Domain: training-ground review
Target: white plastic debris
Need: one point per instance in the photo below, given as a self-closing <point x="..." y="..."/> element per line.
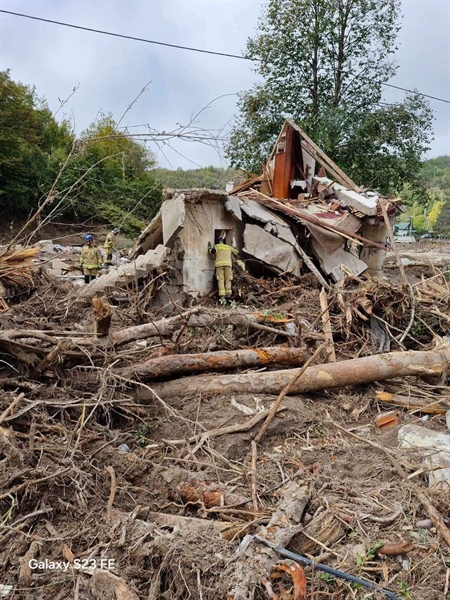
<point x="5" y="590"/>
<point x="434" y="448"/>
<point x="46" y="245"/>
<point x="244" y="409"/>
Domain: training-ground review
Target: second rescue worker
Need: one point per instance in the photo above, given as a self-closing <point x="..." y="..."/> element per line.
<point x="224" y="273"/>
<point x="110" y="244"/>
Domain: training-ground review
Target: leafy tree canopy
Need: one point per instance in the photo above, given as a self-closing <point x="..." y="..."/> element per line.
<point x="435" y="175"/>
<point x="32" y="144"/>
<point x="110" y="177"/>
<point x="428" y="200"/>
<point x="323" y="63"/>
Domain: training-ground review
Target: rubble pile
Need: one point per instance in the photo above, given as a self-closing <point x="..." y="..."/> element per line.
<point x="292" y="444"/>
<point x="102" y="461"/>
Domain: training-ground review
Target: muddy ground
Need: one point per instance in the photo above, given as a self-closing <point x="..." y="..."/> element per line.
<point x="86" y="470"/>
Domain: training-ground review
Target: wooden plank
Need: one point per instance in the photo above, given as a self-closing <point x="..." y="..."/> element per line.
<point x="394" y="244"/>
<point x="278" y="172"/>
<point x="331" y="354"/>
<point x="280" y="135"/>
<point x="312" y="267"/>
<point x="330" y="167"/>
<point x="282" y="172"/>
<point x="325" y="160"/>
<point x="245" y="186"/>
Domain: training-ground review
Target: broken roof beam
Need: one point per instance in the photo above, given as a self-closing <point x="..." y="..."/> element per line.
<point x="241" y="187"/>
<point x="313" y="150"/>
<point x="302" y="215"/>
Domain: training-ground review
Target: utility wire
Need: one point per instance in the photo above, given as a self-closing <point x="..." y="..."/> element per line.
<point x="120" y="35"/>
<point x="138" y="39"/>
<point x="416" y="93"/>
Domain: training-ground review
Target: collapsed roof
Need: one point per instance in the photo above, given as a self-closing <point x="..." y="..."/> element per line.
<point x="302" y="214"/>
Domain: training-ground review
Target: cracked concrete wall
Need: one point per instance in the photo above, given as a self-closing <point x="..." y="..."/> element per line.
<point x="201" y="221"/>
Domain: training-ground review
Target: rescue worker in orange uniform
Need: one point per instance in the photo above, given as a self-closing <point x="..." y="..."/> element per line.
<point x="224" y="273"/>
<point x="91" y="259"/>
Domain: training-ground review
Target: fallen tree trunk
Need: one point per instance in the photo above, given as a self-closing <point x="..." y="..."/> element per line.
<point x="177" y="364"/>
<point x="196" y="317"/>
<point x="326" y="376"/>
<point x="163" y="327"/>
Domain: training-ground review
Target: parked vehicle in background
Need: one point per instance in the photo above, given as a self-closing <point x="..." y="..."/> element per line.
<point x="431" y="235"/>
<point x="428" y="236"/>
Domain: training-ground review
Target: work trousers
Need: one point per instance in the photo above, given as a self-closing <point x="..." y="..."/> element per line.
<point x="224" y="276"/>
<point x="109" y="257"/>
<point x="89" y="274"/>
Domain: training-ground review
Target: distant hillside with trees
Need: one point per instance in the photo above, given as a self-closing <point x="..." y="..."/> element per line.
<point x="428" y="202"/>
<point x="436" y="174"/>
<point x="207" y="177"/>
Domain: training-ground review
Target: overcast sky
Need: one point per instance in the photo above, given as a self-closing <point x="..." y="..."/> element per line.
<point x="111" y="72"/>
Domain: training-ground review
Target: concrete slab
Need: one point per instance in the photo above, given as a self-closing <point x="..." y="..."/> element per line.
<point x="124" y="274"/>
<point x="149" y="238"/>
<point x="173" y="214"/>
<point x="434" y="448"/>
<point x="233" y="205"/>
<point x="46" y="246"/>
<point x="273" y="223"/>
<point x="60" y="265"/>
<point x="270" y="250"/>
<point x="331" y="263"/>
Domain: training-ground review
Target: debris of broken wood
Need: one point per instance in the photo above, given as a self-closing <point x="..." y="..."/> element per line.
<point x="15" y="273"/>
<point x="395" y="549"/>
<point x="437" y="407"/>
<point x="325" y="569"/>
<point x="102" y="316"/>
<point x="305" y="487"/>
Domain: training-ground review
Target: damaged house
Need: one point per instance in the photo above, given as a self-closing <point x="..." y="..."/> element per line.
<point x="302" y="214"/>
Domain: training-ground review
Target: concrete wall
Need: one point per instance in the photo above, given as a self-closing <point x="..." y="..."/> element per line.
<point x="374" y="257"/>
<point x="201" y="220"/>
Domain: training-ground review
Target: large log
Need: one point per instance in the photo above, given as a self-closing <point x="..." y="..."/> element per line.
<point x="326" y="376"/>
<point x="177" y="364"/>
<point x="162" y="328"/>
<point x="197" y="317"/>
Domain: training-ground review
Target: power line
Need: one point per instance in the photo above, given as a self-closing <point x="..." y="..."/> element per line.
<point x="416" y="93"/>
<point x="120" y="35"/>
<point x="138" y="39"/>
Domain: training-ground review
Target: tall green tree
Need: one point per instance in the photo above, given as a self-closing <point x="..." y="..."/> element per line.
<point x="324" y="62"/>
<point x="32" y="144"/>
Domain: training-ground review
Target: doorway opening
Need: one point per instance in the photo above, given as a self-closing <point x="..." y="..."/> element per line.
<point x="228" y="234"/>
